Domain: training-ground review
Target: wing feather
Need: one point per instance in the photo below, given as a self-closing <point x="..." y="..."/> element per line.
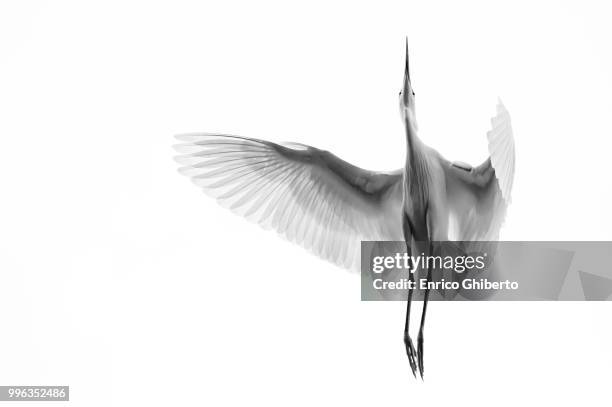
<point x="501" y="149"/>
<point x="307" y="195"/>
<point x="478" y="198"/>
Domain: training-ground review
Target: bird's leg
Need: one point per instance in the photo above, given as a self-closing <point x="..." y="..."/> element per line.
<point x="425" y="301"/>
<point x="410" y="351"/>
<point x="421" y="328"/>
<point x="407" y="227"/>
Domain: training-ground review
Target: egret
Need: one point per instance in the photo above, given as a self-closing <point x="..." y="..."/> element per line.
<point x="329" y="206"/>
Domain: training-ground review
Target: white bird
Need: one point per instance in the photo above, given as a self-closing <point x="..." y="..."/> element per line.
<point x="329" y="206"/>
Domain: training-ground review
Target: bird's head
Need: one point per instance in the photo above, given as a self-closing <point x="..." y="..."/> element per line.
<point x="406" y="97"/>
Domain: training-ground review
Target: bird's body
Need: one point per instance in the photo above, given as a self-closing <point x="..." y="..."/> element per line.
<point x="329" y="206"/>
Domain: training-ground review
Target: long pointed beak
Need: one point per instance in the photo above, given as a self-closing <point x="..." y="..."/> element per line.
<point x="407" y="86"/>
<point x="407" y="71"/>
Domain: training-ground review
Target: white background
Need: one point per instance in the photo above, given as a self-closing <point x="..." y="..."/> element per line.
<point x="121" y="279"/>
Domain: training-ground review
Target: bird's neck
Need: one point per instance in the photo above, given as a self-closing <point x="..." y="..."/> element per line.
<point x="417" y="171"/>
<point x="413" y="144"/>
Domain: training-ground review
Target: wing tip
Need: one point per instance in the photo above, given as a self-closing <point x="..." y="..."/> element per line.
<point x="501" y="150"/>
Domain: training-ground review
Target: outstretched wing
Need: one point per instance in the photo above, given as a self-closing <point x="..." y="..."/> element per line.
<point x="308" y="195"/>
<point x="478" y="197"/>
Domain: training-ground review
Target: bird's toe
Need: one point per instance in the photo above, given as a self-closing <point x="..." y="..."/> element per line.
<point x="420" y="353"/>
<point x="411" y="353"/>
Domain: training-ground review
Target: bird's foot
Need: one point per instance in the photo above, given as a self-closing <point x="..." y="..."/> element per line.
<point x="411" y="353"/>
<point x="420" y="352"/>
